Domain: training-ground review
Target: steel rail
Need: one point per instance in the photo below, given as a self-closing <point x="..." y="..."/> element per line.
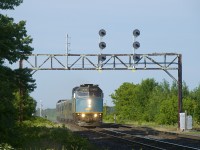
<point x="156" y="140"/>
<point x="127" y="140"/>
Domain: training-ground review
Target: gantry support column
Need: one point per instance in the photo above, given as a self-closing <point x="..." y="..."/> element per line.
<point x="179" y="88"/>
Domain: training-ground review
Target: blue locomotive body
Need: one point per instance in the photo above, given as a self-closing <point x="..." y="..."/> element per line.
<point x="85" y="108"/>
<point x="88" y="105"/>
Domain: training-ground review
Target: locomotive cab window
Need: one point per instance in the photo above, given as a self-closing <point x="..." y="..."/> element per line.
<point x="95" y="92"/>
<point x="82" y="94"/>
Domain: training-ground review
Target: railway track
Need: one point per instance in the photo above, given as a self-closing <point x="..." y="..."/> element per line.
<point x="143" y="141"/>
<point x="124" y="137"/>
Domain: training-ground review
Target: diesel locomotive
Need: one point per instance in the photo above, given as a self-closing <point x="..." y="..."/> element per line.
<point x="85" y="108"/>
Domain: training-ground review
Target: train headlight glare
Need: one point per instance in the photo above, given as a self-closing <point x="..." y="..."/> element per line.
<point x="89" y="103"/>
<point x="95" y="115"/>
<point x="83" y="115"/>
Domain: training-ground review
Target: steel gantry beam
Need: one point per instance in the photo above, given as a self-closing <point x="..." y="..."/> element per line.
<point x="154" y="61"/>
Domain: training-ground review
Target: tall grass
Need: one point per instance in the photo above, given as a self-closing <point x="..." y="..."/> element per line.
<point x="39" y="134"/>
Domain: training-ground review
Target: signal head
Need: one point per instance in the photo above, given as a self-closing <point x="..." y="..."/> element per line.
<point x="102" y="45"/>
<point x="102" y="57"/>
<point x="102" y="32"/>
<point x="136" y="45"/>
<point x="136" y="33"/>
<point x="136" y="57"/>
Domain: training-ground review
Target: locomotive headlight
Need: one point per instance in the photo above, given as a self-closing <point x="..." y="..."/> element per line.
<point x="95" y="115"/>
<point x="83" y="115"/>
<point x="89" y="103"/>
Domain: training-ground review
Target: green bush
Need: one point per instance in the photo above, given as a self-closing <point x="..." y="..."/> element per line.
<point x="5" y="146"/>
<point x="39" y="133"/>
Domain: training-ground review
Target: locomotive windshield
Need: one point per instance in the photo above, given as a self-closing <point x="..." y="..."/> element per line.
<point x="95" y="92"/>
<point x="89" y="92"/>
<point x="82" y="94"/>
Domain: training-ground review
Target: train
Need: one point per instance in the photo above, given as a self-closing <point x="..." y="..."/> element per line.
<point x="85" y="108"/>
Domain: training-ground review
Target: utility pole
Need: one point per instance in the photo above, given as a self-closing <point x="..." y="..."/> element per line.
<point x="21" y="94"/>
<point x="40" y="108"/>
<point x="67" y="45"/>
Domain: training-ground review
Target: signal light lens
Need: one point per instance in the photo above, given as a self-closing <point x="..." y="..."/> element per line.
<point x="102" y="57"/>
<point x="102" y="32"/>
<point x="136" y="32"/>
<point x="136" y="45"/>
<point x="102" y="45"/>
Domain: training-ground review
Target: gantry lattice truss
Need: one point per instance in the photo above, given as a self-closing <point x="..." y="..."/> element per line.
<point x="155" y="61"/>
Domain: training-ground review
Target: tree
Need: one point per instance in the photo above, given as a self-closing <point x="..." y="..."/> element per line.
<point x="168" y="111"/>
<point x="29" y="105"/>
<point x="14" y="41"/>
<point x="157" y="96"/>
<point x="189" y="105"/>
<point x="131" y="100"/>
<point x="143" y="96"/>
<point x="195" y="95"/>
<point x="7" y="110"/>
<point x="125" y="101"/>
<point x="14" y="45"/>
<point x="23" y="79"/>
<point x="150" y="101"/>
<point x="9" y="4"/>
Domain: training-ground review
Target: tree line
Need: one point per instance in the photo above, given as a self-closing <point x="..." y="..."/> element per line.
<point x="15" y="84"/>
<point x="151" y="101"/>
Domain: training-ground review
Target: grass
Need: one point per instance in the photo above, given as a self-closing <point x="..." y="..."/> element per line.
<point x="156" y="126"/>
<point x="39" y="133"/>
<point x="167" y="128"/>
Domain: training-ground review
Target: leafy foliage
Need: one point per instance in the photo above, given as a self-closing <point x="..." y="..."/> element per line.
<point x="7" y="110"/>
<point x="29" y="105"/>
<point x="14" y="45"/>
<point x="130" y="100"/>
<point x="124" y="100"/>
<point x="150" y="101"/>
<point x="9" y="4"/>
<point x="14" y="41"/>
<point x="39" y="133"/>
<point x="108" y="114"/>
<point x="196" y="96"/>
<point x="24" y="80"/>
<point x="168" y="111"/>
<point x="6" y="146"/>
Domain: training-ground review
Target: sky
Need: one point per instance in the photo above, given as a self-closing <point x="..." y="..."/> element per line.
<point x="165" y="26"/>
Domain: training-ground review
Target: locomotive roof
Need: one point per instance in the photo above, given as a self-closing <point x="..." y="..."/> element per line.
<point x="88" y="85"/>
<point x="85" y="86"/>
